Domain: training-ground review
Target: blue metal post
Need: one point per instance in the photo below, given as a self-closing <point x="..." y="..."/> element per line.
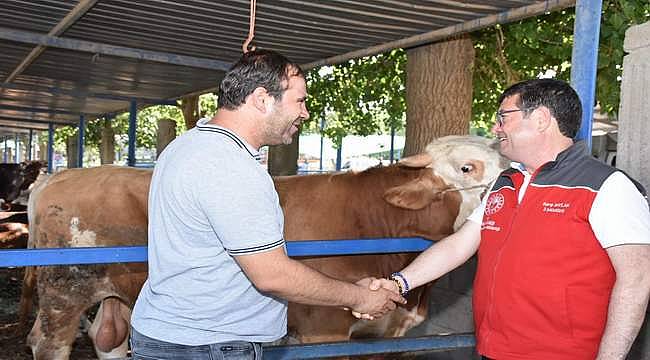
<point x="585" y="59"/>
<point x="133" y="116"/>
<point x="322" y="127"/>
<point x="50" y="148"/>
<point x="80" y="141"/>
<point x="30" y="144"/>
<point x="17" y="147"/>
<point x="392" y="144"/>
<point x="339" y="152"/>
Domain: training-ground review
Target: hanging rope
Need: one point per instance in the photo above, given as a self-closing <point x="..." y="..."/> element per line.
<point x="251" y="29"/>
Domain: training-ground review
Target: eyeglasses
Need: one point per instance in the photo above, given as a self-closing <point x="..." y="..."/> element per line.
<point x="500" y="117"/>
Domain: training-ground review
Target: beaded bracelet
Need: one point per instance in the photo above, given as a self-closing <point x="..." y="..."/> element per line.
<point x="402" y="290"/>
<point x="399" y="285"/>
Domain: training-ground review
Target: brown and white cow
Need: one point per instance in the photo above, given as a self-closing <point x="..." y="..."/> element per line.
<point x="428" y="196"/>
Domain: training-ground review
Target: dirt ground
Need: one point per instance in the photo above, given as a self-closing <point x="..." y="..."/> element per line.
<point x="12" y="341"/>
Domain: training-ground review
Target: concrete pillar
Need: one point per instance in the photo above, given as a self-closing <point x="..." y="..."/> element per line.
<point x="166" y="133"/>
<point x="633" y="151"/>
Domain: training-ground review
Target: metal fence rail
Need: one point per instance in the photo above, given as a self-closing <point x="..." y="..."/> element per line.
<point x="126" y="254"/>
<point x="370" y="347"/>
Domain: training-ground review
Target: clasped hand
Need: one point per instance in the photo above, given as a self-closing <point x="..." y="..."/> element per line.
<point x="382" y="298"/>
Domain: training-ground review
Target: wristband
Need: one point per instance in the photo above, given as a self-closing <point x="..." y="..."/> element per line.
<point x="394" y="276"/>
<point x="399" y="286"/>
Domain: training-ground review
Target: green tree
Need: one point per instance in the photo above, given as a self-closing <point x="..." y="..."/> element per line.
<point x="528" y="48"/>
<point x="366" y="96"/>
<point x="360" y="97"/>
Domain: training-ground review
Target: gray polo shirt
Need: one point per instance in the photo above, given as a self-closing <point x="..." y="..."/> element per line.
<point x="209" y="200"/>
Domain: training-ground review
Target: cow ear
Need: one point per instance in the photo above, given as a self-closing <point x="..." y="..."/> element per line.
<point x="415" y="194"/>
<point x="416" y="161"/>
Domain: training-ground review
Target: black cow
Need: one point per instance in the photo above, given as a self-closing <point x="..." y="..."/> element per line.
<point x="15" y="178"/>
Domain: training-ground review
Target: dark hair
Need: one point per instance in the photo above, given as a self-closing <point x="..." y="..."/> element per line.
<point x="258" y="68"/>
<point x="558" y="96"/>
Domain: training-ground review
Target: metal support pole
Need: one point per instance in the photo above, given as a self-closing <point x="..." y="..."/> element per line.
<point x="584" y="61"/>
<point x="80" y="141"/>
<point x="50" y="148"/>
<point x="392" y="144"/>
<point x="4" y="155"/>
<point x="133" y="116"/>
<point x="17" y="148"/>
<point x="322" y="127"/>
<point x="30" y="144"/>
<point x="339" y="153"/>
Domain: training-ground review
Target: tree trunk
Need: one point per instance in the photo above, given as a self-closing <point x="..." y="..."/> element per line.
<point x="165" y="134"/>
<point x="191" y="110"/>
<point x="71" y="149"/>
<point x="283" y="159"/>
<point x="107" y="145"/>
<point x="438" y="92"/>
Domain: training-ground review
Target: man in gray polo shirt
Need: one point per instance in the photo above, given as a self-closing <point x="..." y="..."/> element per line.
<point x="219" y="277"/>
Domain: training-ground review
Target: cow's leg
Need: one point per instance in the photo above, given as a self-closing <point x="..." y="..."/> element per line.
<point x="53" y="333"/>
<point x="26" y="297"/>
<point x="312" y="324"/>
<point x="110" y="329"/>
<point x="397" y="322"/>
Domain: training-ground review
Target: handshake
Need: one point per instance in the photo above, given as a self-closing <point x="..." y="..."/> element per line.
<point x="380" y="296"/>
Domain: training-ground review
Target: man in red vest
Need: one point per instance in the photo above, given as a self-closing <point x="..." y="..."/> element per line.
<point x="562" y="239"/>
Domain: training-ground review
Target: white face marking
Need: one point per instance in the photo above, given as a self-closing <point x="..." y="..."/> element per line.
<point x="84" y="238"/>
<point x="451" y="154"/>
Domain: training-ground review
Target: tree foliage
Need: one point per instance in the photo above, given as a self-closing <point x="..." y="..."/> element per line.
<point x="504" y="54"/>
<point x="360" y="97"/>
<point x="529" y="48"/>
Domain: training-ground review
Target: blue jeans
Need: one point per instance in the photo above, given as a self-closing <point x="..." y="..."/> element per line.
<point x="146" y="348"/>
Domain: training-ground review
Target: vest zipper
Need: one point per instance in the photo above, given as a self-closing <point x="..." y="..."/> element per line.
<point x="505" y="241"/>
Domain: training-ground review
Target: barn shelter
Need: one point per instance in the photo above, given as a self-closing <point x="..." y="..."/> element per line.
<point x="70" y="62"/>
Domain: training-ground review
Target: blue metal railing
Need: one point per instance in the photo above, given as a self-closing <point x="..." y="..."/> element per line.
<point x="370" y="347"/>
<point x="126" y="254"/>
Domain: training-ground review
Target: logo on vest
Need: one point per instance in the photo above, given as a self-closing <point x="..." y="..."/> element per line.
<point x="490" y="225"/>
<point x="494" y="204"/>
<point x="558" y="207"/>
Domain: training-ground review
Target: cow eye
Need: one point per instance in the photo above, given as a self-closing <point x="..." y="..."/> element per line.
<point x="466" y="168"/>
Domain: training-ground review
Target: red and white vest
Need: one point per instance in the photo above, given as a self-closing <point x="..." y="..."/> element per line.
<point x="543" y="282"/>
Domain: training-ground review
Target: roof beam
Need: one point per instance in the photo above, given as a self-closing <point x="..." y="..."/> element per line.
<point x="436" y="35"/>
<point x="82" y="7"/>
<point x="42" y="110"/>
<point x="83" y="95"/>
<point x="20" y="119"/>
<point x="106" y="49"/>
<point x="3" y="127"/>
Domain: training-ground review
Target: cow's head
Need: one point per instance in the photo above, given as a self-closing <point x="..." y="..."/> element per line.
<point x="468" y="164"/>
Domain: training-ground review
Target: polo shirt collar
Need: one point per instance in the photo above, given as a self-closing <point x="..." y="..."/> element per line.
<point x="202" y="125"/>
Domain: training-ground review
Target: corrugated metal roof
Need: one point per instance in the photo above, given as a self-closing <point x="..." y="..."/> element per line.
<point x="82" y="72"/>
